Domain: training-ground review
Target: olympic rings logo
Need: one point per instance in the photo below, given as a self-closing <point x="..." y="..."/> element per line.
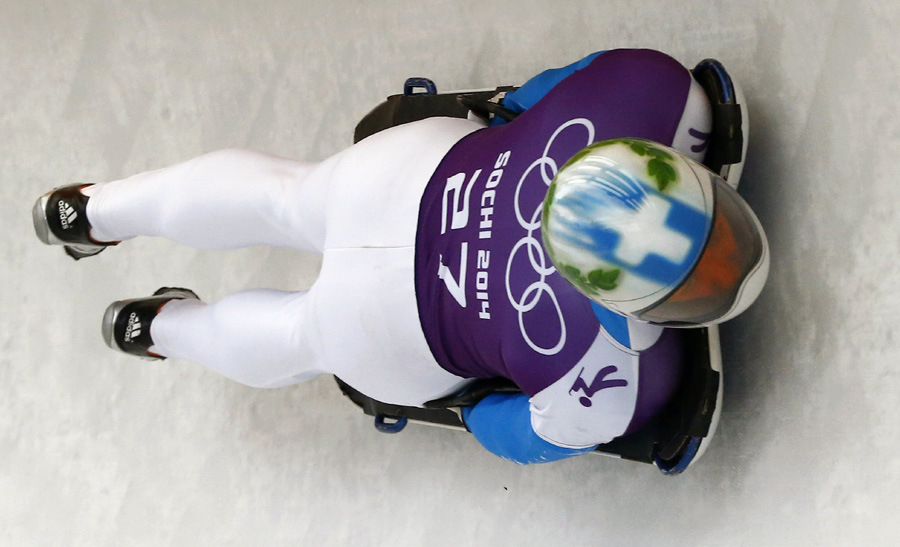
<point x="540" y="263"/>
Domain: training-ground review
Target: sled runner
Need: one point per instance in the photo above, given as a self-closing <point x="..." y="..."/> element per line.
<point x="677" y="436"/>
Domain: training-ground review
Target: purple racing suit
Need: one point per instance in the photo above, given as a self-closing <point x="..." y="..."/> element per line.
<point x="491" y="303"/>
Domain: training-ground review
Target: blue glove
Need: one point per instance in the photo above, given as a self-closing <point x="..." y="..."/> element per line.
<point x="502" y="424"/>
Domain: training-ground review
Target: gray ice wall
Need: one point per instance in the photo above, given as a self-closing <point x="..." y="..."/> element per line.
<point x="100" y="449"/>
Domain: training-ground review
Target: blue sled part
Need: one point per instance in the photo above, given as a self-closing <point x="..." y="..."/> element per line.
<point x="678" y="466"/>
<point x="389" y="427"/>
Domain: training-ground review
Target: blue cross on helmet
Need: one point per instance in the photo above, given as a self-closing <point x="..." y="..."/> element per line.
<point x="651" y="234"/>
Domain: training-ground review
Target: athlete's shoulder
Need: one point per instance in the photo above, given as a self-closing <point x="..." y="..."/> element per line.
<point x="594" y="402"/>
<point x="626" y="377"/>
<point x="628" y="333"/>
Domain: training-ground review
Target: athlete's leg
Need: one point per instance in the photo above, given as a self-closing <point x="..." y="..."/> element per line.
<point x="261" y="338"/>
<point x="222" y="200"/>
<point x="367" y="195"/>
<point x="363" y="325"/>
<point x="375" y="186"/>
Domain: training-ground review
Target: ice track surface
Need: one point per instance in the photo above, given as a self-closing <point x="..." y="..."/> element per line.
<point x="99" y="449"/>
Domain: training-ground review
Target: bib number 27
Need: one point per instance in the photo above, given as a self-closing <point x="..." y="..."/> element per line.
<point x="455" y="213"/>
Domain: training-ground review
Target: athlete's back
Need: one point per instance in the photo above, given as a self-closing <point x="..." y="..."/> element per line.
<point x="490" y="300"/>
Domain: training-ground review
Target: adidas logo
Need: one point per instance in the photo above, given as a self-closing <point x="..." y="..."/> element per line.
<point x="67" y="214"/>
<point x="133" y="330"/>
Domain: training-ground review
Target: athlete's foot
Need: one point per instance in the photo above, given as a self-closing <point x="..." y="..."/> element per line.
<point x="126" y="323"/>
<point x="60" y="218"/>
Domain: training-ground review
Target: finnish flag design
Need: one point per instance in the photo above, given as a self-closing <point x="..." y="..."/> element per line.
<point x="631" y="225"/>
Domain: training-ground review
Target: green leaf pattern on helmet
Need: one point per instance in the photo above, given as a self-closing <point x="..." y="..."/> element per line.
<point x="660" y="168"/>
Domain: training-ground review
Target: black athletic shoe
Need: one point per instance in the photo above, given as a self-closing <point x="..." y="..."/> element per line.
<point x="126" y="323"/>
<point x="60" y="219"/>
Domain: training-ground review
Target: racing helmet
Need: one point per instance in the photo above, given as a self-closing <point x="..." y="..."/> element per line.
<point x="651" y="234"/>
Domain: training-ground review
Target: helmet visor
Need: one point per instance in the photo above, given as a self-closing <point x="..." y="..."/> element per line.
<point x="733" y="251"/>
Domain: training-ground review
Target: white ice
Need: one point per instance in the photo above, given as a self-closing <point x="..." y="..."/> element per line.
<point x="97" y="448"/>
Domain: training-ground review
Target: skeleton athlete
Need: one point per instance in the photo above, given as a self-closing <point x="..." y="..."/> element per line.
<point x="434" y="272"/>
